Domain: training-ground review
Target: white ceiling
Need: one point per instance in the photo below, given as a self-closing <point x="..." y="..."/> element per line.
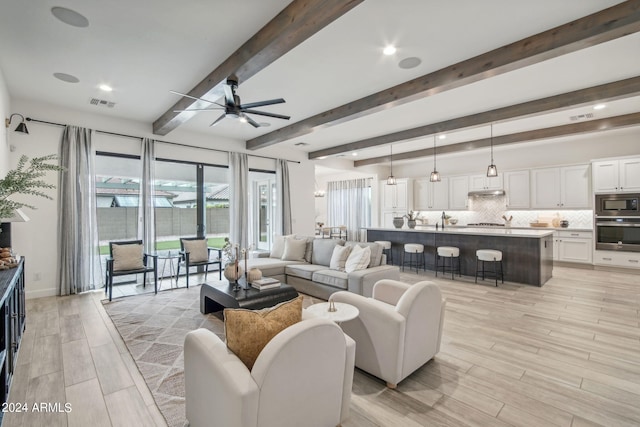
<point x="144" y="48"/>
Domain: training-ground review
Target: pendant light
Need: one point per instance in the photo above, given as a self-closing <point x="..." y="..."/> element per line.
<point x="435" y="175"/>
<point x="391" y="180"/>
<point x="492" y="170"/>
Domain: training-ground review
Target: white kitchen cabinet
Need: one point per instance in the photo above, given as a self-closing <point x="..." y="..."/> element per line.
<point x="429" y="195"/>
<point x="387" y="219"/>
<point x="614" y="176"/>
<point x="564" y="187"/>
<point x="397" y="197"/>
<point x="483" y="182"/>
<point x="516" y="187"/>
<point x="573" y="246"/>
<point x="458" y="192"/>
<point x="617" y="259"/>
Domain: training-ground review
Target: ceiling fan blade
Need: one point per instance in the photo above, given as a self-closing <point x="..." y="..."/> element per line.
<point x="218" y="119"/>
<point x="228" y="95"/>
<point x="264" y="113"/>
<point x="198" y="109"/>
<point x="263" y="103"/>
<point x="193" y="97"/>
<point x="251" y="121"/>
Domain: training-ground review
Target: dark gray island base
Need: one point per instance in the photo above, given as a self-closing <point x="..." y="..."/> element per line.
<point x="527" y="256"/>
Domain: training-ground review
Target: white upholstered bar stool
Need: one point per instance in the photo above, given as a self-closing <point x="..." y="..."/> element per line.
<point x="416" y="256"/>
<point x="448" y="252"/>
<point x="490" y="255"/>
<point x="386" y="249"/>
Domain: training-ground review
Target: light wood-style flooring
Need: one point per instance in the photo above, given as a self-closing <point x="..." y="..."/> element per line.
<point x="566" y="354"/>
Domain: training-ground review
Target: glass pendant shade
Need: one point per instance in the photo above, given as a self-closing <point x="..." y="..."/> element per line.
<point x="391" y="180"/>
<point x="435" y="176"/>
<point x="492" y="170"/>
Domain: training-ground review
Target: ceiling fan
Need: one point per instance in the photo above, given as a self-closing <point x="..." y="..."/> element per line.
<point x="233" y="107"/>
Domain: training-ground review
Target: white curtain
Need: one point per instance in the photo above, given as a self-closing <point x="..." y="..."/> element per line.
<point x="283" y="198"/>
<point x="78" y="247"/>
<point x="146" y="211"/>
<point x="349" y="204"/>
<point x="239" y="199"/>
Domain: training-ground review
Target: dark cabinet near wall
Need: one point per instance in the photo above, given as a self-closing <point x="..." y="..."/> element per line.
<point x="12" y="320"/>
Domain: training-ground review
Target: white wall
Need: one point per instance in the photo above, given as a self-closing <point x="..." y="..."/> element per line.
<point x="37" y="239"/>
<point x="5" y="112"/>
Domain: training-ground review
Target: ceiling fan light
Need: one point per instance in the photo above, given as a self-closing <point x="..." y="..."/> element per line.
<point x="492" y="171"/>
<point x="435" y="176"/>
<point x="391" y="180"/>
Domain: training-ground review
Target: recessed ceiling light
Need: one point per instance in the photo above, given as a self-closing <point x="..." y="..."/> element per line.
<point x="70" y="17"/>
<point x="411" y="62"/>
<point x="105" y="88"/>
<point x="301" y="144"/>
<point x="599" y="106"/>
<point x="322" y="157"/>
<point x="442" y="137"/>
<point x="66" y="77"/>
<point x="354" y="154"/>
<point x="389" y="50"/>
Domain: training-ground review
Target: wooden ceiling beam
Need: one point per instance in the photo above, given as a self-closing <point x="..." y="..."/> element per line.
<point x="294" y="24"/>
<point x="603" y="93"/>
<point x="514" y="138"/>
<point x="606" y="25"/>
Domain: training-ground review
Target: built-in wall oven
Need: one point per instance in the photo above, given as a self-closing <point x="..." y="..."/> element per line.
<point x="618" y="222"/>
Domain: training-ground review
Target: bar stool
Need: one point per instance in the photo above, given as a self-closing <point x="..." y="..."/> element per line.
<point x="490" y="255"/>
<point x="386" y="249"/>
<point x="414" y="249"/>
<point x="451" y="253"/>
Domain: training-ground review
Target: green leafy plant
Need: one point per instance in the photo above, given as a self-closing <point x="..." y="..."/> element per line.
<point x="26" y="179"/>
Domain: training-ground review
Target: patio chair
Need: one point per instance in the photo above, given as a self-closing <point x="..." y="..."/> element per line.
<point x="128" y="257"/>
<point x="194" y="252"/>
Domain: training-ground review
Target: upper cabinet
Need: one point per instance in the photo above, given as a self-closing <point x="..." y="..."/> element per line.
<point x="458" y="192"/>
<point x="483" y="182"/>
<point x="516" y="187"/>
<point x="397" y="197"/>
<point x="613" y="176"/>
<point x="429" y="195"/>
<point x="564" y="187"/>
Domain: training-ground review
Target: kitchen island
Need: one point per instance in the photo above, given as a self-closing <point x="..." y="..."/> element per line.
<point x="527" y="254"/>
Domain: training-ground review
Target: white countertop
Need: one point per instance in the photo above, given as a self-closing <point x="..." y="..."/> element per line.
<point x="477" y="231"/>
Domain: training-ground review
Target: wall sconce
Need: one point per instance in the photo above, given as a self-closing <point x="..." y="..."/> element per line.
<point x="22" y="127"/>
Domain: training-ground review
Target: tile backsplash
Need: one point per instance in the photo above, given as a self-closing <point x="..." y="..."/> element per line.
<point x="492" y="209"/>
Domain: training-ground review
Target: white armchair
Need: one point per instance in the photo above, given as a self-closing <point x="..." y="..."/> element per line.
<point x="302" y="377"/>
<point x="398" y="329"/>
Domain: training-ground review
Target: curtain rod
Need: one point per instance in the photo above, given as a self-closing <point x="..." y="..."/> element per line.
<point x="29" y="119"/>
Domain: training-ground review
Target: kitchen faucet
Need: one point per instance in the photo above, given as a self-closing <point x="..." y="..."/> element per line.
<point x="443" y="215"/>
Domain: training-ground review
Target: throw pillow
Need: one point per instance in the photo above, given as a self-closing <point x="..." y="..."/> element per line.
<point x="277" y="249"/>
<point x="339" y="257"/>
<point x="248" y="331"/>
<point x="323" y="249"/>
<point x="294" y="250"/>
<point x="376" y="252"/>
<point x="358" y="259"/>
<point x="127" y="257"/>
<point x="197" y="249"/>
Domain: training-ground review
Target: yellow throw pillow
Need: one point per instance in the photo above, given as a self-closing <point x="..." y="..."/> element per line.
<point x="127" y="257"/>
<point x="248" y="331"/>
<point x="197" y="249"/>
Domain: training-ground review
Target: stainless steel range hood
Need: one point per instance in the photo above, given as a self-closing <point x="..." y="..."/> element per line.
<point x="486" y="193"/>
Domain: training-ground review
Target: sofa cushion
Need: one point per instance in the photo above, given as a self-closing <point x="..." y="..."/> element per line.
<point x="358" y="259"/>
<point x="277" y="249"/>
<point x="294" y="250"/>
<point x="197" y="250"/>
<point x="323" y="249"/>
<point x="376" y="251"/>
<point x="304" y="271"/>
<point x="270" y="266"/>
<point x="335" y="278"/>
<point x="339" y="257"/>
<point x="248" y="331"/>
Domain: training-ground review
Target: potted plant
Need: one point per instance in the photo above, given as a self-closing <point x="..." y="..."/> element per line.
<point x="411" y="219"/>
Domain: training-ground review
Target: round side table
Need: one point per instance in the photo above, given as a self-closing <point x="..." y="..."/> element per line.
<point x="344" y="312"/>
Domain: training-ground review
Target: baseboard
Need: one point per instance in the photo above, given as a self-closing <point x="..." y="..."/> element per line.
<point x="573" y="265"/>
<point x="614" y="269"/>
<point x="41" y="293"/>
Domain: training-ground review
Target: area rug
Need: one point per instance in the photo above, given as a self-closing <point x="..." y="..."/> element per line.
<point x="153" y="327"/>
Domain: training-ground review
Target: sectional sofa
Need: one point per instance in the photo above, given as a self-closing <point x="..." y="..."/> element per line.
<point x="304" y="263"/>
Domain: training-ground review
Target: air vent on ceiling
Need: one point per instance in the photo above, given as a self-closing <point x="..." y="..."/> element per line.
<point x="101" y="103"/>
<point x="581" y="117"/>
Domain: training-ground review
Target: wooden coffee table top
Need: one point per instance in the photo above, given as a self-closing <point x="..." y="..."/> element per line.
<point x="216" y="296"/>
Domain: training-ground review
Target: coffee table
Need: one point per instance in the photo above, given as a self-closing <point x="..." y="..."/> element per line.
<point x="220" y="295"/>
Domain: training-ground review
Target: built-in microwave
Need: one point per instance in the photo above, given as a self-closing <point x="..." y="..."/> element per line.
<point x="617" y="204"/>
